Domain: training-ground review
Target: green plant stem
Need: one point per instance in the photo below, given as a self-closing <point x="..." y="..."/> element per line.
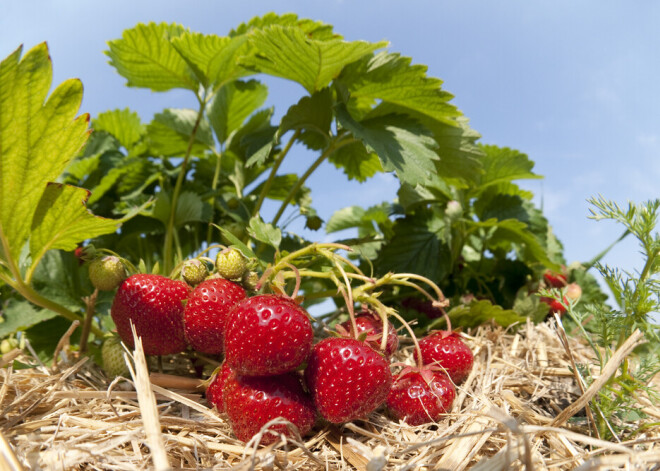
<point x="35" y="298"/>
<point x="337" y="143"/>
<point x="167" y="248"/>
<point x="214" y="187"/>
<point x="273" y="172"/>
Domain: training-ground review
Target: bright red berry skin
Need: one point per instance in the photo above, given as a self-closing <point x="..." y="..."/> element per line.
<point x="215" y="390"/>
<point x="371" y="325"/>
<point x="420" y="398"/>
<point x="554" y="304"/>
<point x="206" y="311"/>
<point x="267" y="335"/>
<point x="347" y="378"/>
<point x="253" y="401"/>
<point x="447" y="350"/>
<point x="154" y="304"/>
<point x="555" y="280"/>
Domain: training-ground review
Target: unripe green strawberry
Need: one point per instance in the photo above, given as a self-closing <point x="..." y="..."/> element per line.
<point x="106" y="273"/>
<point x="250" y="280"/>
<point x="7" y="345"/>
<point x="112" y="353"/>
<point x="194" y="271"/>
<point x="231" y="264"/>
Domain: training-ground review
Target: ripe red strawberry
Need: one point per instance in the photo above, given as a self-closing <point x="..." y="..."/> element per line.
<point x="154" y="304"/>
<point x="420" y="396"/>
<point x="347" y="378"/>
<point x="554" y="304"/>
<point x="370" y="326"/>
<point x="267" y="335"/>
<point x="215" y="390"/>
<point x="447" y="350"/>
<point x="252" y="402"/>
<point x="554" y="280"/>
<point x="205" y="314"/>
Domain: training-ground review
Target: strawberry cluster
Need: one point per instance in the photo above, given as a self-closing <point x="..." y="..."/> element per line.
<point x="272" y="367"/>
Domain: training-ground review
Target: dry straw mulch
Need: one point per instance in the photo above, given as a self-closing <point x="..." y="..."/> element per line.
<point x="520" y="408"/>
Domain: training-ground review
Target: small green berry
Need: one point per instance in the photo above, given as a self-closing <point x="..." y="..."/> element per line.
<point x="107" y="273"/>
<point x="7" y="345"/>
<point x="250" y="280"/>
<point x="231" y="264"/>
<point x="112" y="353"/>
<point x="194" y="271"/>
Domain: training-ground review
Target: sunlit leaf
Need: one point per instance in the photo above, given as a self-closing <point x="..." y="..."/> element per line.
<point x="146" y="58"/>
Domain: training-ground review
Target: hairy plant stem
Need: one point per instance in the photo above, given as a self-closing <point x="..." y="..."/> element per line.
<point x="169" y="233"/>
<point x="339" y="142"/>
<point x="273" y="172"/>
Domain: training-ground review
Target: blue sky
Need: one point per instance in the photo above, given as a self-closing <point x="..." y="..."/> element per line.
<point x="572" y="84"/>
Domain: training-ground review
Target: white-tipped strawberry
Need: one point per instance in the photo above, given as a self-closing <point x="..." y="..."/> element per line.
<point x="107" y="272"/>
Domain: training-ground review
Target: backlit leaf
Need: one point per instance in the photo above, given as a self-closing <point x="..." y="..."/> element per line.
<point x="62" y="220"/>
<point x="287" y="52"/>
<point x="38" y="138"/>
<point x="146" y="58"/>
<point x="124" y="124"/>
<point x="233" y="104"/>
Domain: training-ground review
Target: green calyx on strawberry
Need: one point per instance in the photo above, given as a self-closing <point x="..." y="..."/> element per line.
<point x="267" y="335"/>
<point x="252" y="402"/>
<point x="420" y="395"/>
<point x="447" y="350"/>
<point x="370" y="330"/>
<point x="347" y="379"/>
<point x="112" y="354"/>
<point x="106" y="273"/>
<point x="194" y="271"/>
<point x="206" y="311"/>
<point x="231" y="264"/>
<point x="154" y="305"/>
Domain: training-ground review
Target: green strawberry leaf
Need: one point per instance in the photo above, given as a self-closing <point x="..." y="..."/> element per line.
<point x="264" y="232"/>
<point x="313" y="116"/>
<point x="61" y="221"/>
<point x="511" y="231"/>
<point x="417" y="246"/>
<point x="169" y="133"/>
<point x="233" y="104"/>
<point x="38" y="138"/>
<point x="312" y="28"/>
<point x="288" y="52"/>
<point x="503" y="165"/>
<point x="356" y="161"/>
<point x="402" y="145"/>
<point x="124" y="124"/>
<point x="213" y="59"/>
<point x="391" y="78"/>
<point x="481" y="312"/>
<point x="21" y="315"/>
<point x="281" y="186"/>
<point x="146" y="58"/>
<point x="235" y="242"/>
<point x="189" y="208"/>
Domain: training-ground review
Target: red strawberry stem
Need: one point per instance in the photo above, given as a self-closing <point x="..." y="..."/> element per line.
<point x="385" y="311"/>
<point x="348" y="297"/>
